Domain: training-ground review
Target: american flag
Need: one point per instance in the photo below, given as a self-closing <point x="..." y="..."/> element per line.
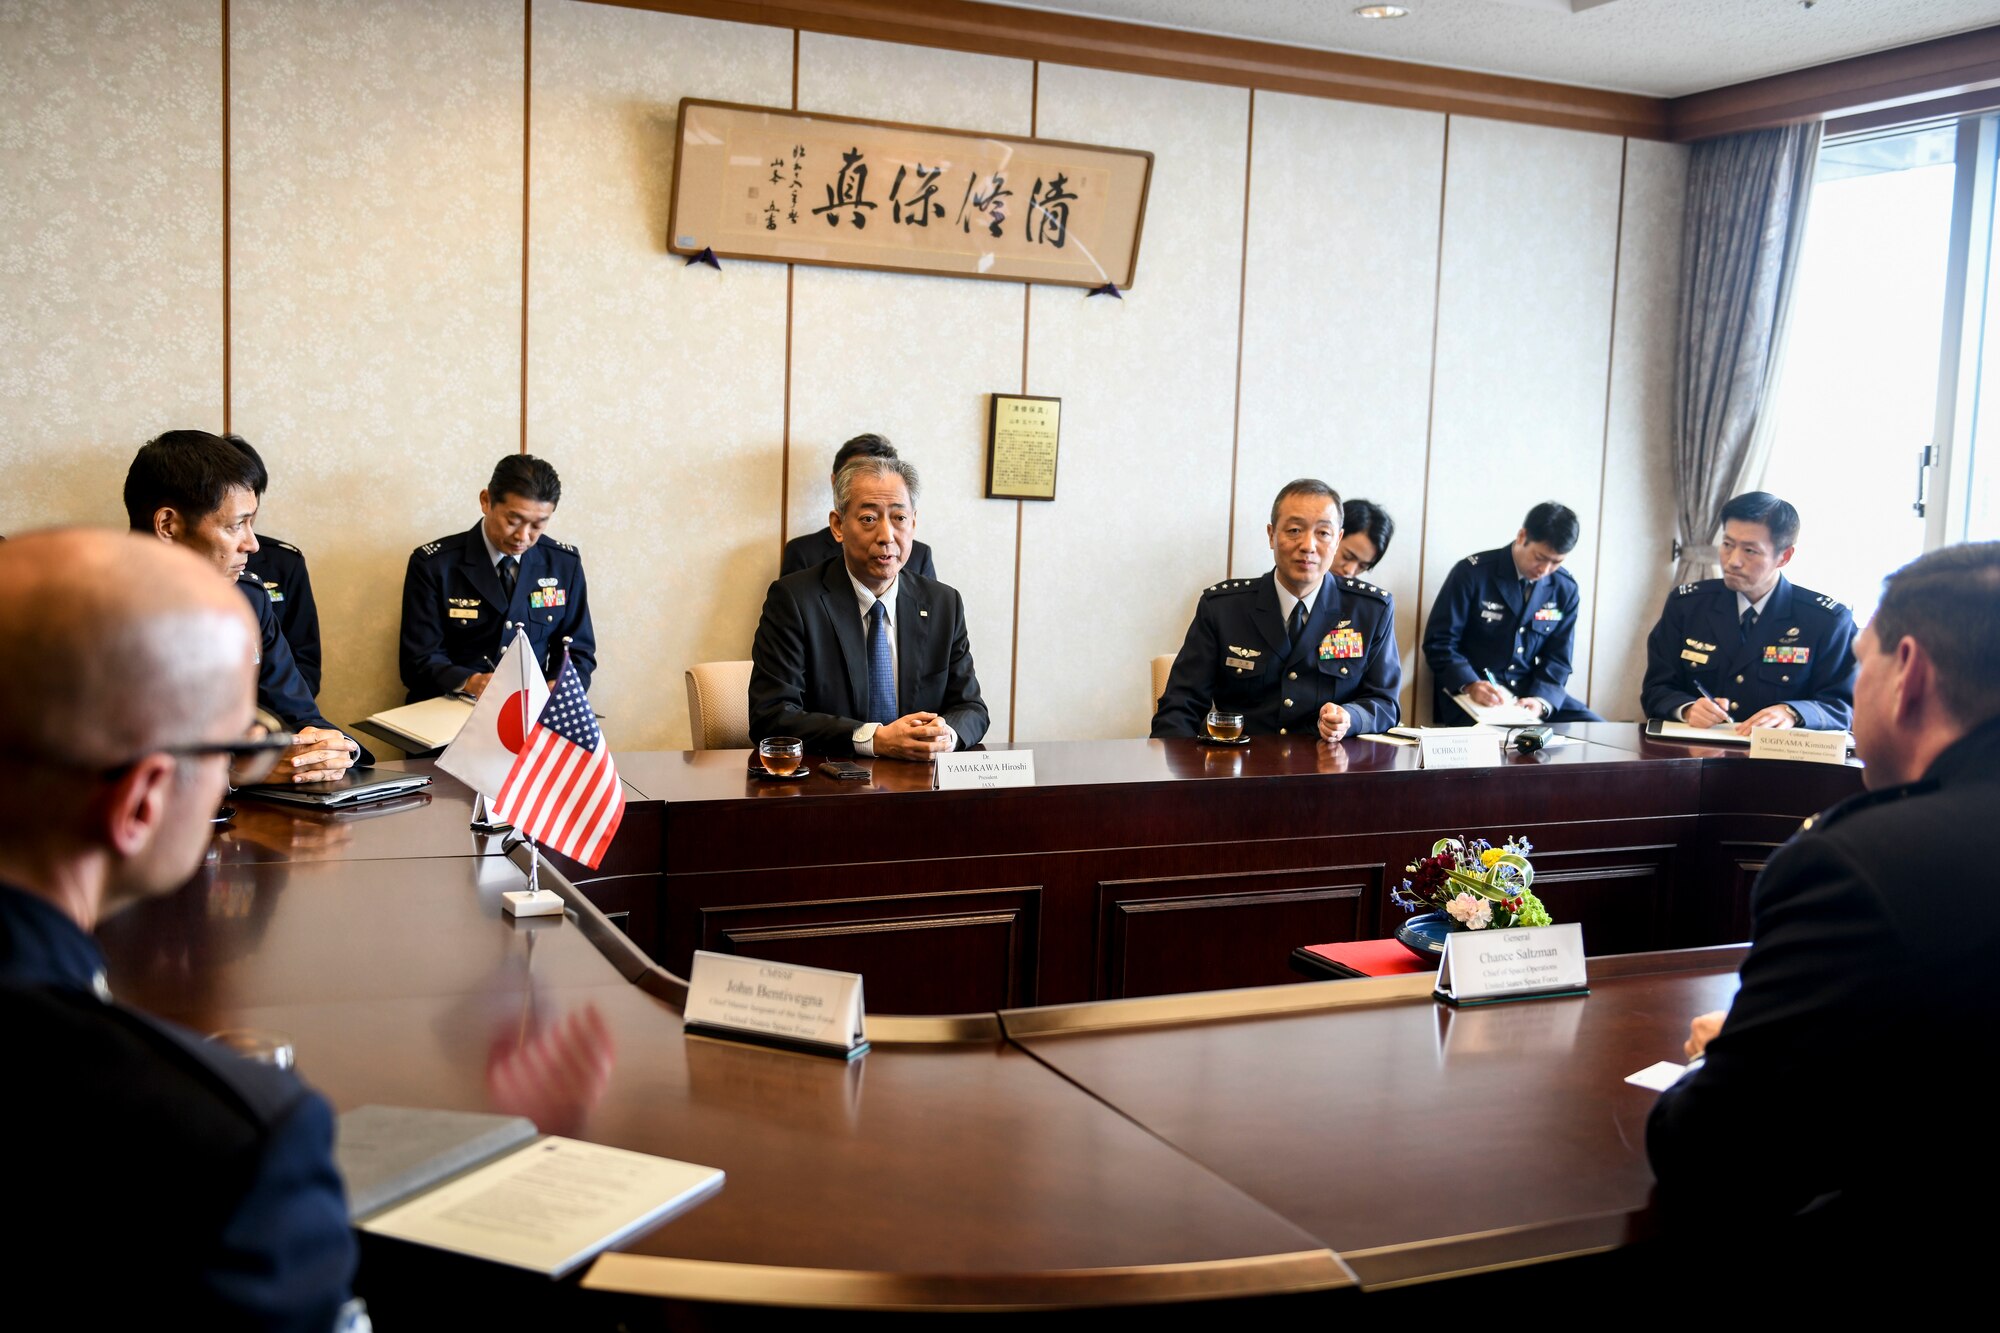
<point x="563" y="790"/>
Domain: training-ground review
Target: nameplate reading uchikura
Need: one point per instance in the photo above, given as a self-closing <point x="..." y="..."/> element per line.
<point x="1489" y="966"/>
<point x="806" y="1009"/>
<point x="1459" y="747"/>
<point x="1811" y="747"/>
<point x="985" y="769"/>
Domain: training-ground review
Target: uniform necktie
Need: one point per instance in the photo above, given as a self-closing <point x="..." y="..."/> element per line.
<point x="510" y="569"/>
<point x="1295" y="627"/>
<point x="881" y="671"/>
<point x="1749" y="622"/>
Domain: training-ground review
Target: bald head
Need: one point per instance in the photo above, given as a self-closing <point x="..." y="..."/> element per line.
<point x="112" y="644"/>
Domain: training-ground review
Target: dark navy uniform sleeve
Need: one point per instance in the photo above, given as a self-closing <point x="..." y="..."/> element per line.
<point x="576" y="625"/>
<point x="1549" y="666"/>
<point x="1827" y="700"/>
<point x="1444" y="635"/>
<point x="1663" y="694"/>
<point x="1191" y="683"/>
<point x="1376" y="707"/>
<point x="426" y="668"/>
<point x="281" y="691"/>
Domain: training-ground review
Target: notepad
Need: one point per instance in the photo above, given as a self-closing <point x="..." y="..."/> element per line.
<point x="1724" y="733"/>
<point x="428" y="724"/>
<point x="1513" y="714"/>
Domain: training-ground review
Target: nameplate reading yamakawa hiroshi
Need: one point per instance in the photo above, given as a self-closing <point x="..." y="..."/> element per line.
<point x="981" y="770"/>
<point x="1460" y="747"/>
<point x="1491" y="966"/>
<point x="806" y="1009"/>
<point x="1811" y="747"/>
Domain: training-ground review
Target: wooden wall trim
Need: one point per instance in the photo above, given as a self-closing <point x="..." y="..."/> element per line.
<point x="1067" y="39"/>
<point x="1908" y="76"/>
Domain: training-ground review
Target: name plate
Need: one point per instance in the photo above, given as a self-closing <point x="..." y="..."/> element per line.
<point x="1491" y="966"/>
<point x="984" y="771"/>
<point x="1810" y="747"/>
<point x="1459" y="747"/>
<point x="806" y="1009"/>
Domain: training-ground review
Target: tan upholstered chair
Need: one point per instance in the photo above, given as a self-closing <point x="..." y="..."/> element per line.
<point x="719" y="705"/>
<point x="1162" y="665"/>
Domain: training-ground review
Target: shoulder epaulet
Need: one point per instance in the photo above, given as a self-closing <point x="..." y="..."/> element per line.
<point x="430" y="548"/>
<point x="1829" y="603"/>
<point x="560" y="545"/>
<point x="1228" y="585"/>
<point x="1472" y="560"/>
<point x="1365" y="588"/>
<point x="282" y="546"/>
<point x="1688" y="589"/>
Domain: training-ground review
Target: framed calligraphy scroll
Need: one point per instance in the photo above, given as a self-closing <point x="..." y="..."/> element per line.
<point x="755" y="182"/>
<point x="1022" y="435"/>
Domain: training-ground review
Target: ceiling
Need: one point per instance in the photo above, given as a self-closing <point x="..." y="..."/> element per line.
<point x="1662" y="48"/>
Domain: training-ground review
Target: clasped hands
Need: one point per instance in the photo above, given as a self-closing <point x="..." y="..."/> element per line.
<point x="319" y="754"/>
<point x="914" y="736"/>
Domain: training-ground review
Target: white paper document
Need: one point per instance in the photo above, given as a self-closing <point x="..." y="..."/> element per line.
<point x="1513" y="713"/>
<point x="427" y="724"/>
<point x="1658" y="1077"/>
<point x="549" y="1206"/>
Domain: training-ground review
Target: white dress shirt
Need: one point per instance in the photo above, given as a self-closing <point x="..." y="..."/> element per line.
<point x="864" y="735"/>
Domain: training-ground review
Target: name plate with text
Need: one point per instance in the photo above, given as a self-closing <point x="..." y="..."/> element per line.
<point x="807" y="1009"/>
<point x="983" y="771"/>
<point x="1810" y="747"/>
<point x="1459" y="747"/>
<point x="1491" y="966"/>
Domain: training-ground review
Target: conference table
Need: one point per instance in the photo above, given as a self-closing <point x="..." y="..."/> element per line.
<point x="1320" y="1142"/>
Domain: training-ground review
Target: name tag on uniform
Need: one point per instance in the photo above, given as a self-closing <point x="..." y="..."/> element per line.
<point x="1490" y="615"/>
<point x="1242" y="659"/>
<point x="464" y="613"/>
<point x="1690" y="655"/>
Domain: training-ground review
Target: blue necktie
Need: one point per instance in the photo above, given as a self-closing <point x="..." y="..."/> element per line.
<point x="510" y="570"/>
<point x="1746" y="626"/>
<point x="881" y="671"/>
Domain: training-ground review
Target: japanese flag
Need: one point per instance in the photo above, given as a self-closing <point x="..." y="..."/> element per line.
<point x="483" y="753"/>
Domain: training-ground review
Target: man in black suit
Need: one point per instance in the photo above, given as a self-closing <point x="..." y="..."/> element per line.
<point x="820" y="545"/>
<point x="859" y="655"/>
<point x="1867" y="1000"/>
<point x="131" y="676"/>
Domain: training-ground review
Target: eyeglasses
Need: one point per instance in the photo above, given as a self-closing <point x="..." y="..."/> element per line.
<point x="250" y="759"/>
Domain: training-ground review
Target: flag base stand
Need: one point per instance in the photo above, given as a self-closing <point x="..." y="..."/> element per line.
<point x="483" y="818"/>
<point x="532" y="902"/>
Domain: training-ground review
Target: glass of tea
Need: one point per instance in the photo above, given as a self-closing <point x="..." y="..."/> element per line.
<point x="1225" y="726"/>
<point x="781" y="755"/>
<point x="260" y="1044"/>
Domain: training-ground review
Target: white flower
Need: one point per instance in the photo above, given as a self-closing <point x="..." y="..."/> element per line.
<point x="1470" y="911"/>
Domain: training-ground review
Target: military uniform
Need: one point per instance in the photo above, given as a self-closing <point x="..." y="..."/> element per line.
<point x="1236" y="659"/>
<point x="281" y="690"/>
<point x="455" y="613"/>
<point x="1488" y="618"/>
<point x="1800" y="652"/>
<point x="281" y="568"/>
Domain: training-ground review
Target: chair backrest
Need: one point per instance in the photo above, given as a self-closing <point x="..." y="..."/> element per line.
<point x="1162" y="664"/>
<point x="719" y="705"/>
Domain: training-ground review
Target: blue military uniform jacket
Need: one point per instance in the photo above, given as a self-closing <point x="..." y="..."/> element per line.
<point x="1235" y="658"/>
<point x="455" y="614"/>
<point x="1801" y="652"/>
<point x="1486" y="620"/>
<point x="281" y="690"/>
<point x="221" y="1170"/>
<point x="816" y="548"/>
<point x="281" y="568"/>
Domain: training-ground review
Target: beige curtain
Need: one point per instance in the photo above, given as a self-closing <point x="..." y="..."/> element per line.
<point x="1746" y="215"/>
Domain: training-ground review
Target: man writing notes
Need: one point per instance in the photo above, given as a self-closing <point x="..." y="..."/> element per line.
<point x="820" y="545"/>
<point x="197" y="490"/>
<point x="462" y="592"/>
<point x="1867" y="997"/>
<point x="131" y="675"/>
<point x="859" y="655"/>
<point x="1505" y="623"/>
<point x="1297" y="651"/>
<point x="1750" y="648"/>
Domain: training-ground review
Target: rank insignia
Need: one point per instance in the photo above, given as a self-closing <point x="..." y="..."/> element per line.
<point x="1778" y="653"/>
<point x="1341" y="643"/>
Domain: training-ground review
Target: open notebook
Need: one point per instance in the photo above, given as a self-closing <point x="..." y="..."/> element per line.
<point x="1666" y="729"/>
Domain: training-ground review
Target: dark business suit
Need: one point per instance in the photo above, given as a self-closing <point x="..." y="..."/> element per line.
<point x="456" y="612"/>
<point x="816" y="548"/>
<point x="1848" y="1073"/>
<point x="1235" y="657"/>
<point x="281" y="690"/>
<point x="155" y="1180"/>
<point x="809" y="667"/>
<point x="281" y="568"/>
<point x="1699" y="639"/>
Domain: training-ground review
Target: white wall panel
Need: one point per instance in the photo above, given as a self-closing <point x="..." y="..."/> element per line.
<point x="1524" y="337"/>
<point x="110" y="244"/>
<point x="1341" y="288"/>
<point x="656" y="387"/>
<point x="914" y="357"/>
<point x="1110" y="572"/>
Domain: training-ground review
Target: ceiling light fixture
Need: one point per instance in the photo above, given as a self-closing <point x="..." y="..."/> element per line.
<point x="1381" y="12"/>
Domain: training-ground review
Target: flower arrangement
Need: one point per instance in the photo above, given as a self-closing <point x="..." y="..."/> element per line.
<point x="1475" y="883"/>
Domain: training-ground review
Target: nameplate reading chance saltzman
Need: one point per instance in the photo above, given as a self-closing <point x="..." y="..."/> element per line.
<point x="1491" y="966"/>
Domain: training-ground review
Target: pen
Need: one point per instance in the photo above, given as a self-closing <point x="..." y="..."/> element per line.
<point x="1494" y="681"/>
<point x="1711" y="698"/>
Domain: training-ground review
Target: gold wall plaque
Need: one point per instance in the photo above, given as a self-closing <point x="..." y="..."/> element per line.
<point x="1022" y="433"/>
<point x="763" y="183"/>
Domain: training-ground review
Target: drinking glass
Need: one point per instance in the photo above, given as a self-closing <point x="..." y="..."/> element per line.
<point x="781" y="755"/>
<point x="260" y="1044"/>
<point x="1225" y="726"/>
